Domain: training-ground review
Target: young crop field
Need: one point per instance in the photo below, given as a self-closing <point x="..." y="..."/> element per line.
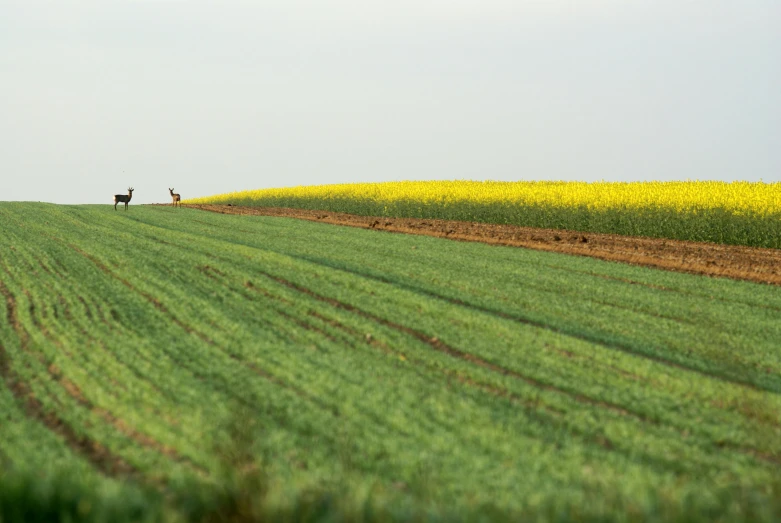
<point x="738" y="213"/>
<point x="168" y="364"/>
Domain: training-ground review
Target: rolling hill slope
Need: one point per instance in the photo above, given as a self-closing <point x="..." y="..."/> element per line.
<point x="429" y="374"/>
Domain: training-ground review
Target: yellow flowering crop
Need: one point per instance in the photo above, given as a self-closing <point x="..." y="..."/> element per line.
<point x="747" y="213"/>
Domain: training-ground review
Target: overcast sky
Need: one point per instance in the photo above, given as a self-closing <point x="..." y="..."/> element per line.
<point x="212" y="97"/>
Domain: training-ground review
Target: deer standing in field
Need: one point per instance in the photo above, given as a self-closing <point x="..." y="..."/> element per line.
<point x="123" y="198"/>
<point x="177" y="199"/>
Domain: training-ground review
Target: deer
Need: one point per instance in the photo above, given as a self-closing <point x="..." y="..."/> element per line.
<point x="177" y="199"/>
<point x="123" y="198"/>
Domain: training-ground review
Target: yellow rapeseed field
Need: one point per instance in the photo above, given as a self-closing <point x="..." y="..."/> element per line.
<point x="747" y="213"/>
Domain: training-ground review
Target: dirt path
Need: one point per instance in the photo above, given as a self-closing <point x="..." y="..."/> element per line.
<point x="743" y="263"/>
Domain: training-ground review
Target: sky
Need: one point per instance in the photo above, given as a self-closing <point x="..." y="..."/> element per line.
<point x="209" y="97"/>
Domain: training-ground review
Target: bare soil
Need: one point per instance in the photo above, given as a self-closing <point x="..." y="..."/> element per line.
<point x="731" y="261"/>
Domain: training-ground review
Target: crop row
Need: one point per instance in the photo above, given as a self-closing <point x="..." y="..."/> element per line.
<point x="459" y="373"/>
<point x="740" y="213"/>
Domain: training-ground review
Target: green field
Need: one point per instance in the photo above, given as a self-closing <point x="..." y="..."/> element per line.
<point x="173" y="364"/>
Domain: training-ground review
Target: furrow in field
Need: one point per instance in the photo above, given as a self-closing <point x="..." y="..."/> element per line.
<point x="354" y="337"/>
<point x="217" y="276"/>
<point x="357" y="336"/>
<point x="97" y="454"/>
<point x="682" y="292"/>
<point x="204" y="337"/>
<point x="111" y="328"/>
<point x="617" y="370"/>
<point x="128" y="430"/>
<point x="536" y="408"/>
<point x="151" y="299"/>
<point x="493" y="390"/>
<point x="448" y="373"/>
<point x="439" y="346"/>
<point x="75" y="392"/>
<point x="582" y="336"/>
<point x="480" y="362"/>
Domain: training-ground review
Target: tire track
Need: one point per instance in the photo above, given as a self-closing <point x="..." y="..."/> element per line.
<point x="95" y="451"/>
<point x="75" y="393"/>
<point x="205" y="338"/>
<point x="596" y="340"/>
<point x="673" y="364"/>
<point x="441" y="347"/>
<point x="539" y="384"/>
<point x="100" y="457"/>
<point x="536" y="408"/>
<point x="531" y="407"/>
<point x="354" y="334"/>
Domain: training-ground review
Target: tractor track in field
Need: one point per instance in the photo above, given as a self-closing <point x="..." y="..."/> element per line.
<point x="354" y="336"/>
<point x="444" y="348"/>
<point x="441" y="347"/>
<point x="732" y="261"/>
<point x="33" y="405"/>
<point x="598" y="340"/>
<point x="531" y="407"/>
<point x="102" y="458"/>
<point x="75" y="392"/>
<point x="761" y="264"/>
<point x="97" y="454"/>
<point x="489" y="389"/>
<point x="209" y="272"/>
<point x="595" y="339"/>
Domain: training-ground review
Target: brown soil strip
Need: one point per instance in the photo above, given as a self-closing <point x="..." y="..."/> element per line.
<point x="731" y="261"/>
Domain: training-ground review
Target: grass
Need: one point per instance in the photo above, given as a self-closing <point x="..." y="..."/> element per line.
<point x="177" y="365"/>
